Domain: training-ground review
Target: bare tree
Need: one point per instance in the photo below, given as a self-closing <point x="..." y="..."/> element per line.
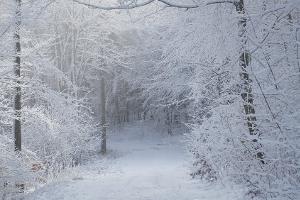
<point x="244" y="61"/>
<point x="103" y="116"/>
<point x="17" y="72"/>
<point x="244" y="55"/>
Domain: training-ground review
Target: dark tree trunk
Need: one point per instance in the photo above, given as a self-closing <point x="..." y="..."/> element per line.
<point x="298" y="49"/>
<point x="17" y="72"/>
<point x="103" y="117"/>
<point x="244" y="61"/>
<point x="246" y="82"/>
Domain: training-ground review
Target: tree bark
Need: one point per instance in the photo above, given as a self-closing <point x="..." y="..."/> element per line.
<point x="246" y="82"/>
<point x="103" y="117"/>
<point x="17" y="72"/>
<point x="297" y="42"/>
<point x="244" y="61"/>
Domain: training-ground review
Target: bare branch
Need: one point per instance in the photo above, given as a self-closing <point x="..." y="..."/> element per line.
<point x="120" y="7"/>
<point x="268" y="105"/>
<point x="7" y="28"/>
<point x="219" y="2"/>
<point x="136" y="5"/>
<point x="176" y="5"/>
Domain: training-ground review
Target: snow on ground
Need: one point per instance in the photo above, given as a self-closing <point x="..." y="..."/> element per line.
<point x="141" y="165"/>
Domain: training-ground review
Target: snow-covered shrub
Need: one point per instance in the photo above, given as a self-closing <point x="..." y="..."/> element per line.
<point x="60" y="135"/>
<point x="223" y="150"/>
<point x="208" y="42"/>
<point x="15" y="169"/>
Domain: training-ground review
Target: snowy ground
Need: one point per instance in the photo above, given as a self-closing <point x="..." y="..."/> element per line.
<point x="137" y="167"/>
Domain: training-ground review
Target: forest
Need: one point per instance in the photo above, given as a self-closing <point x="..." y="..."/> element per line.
<point x="150" y="99"/>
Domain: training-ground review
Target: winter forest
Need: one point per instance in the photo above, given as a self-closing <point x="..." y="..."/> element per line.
<point x="150" y="99"/>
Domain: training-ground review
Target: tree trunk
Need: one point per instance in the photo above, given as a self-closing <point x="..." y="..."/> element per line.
<point x="246" y="87"/>
<point x="244" y="61"/>
<point x="17" y="72"/>
<point x="103" y="117"/>
<point x="298" y="49"/>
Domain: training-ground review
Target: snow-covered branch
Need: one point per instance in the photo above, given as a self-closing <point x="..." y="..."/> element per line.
<point x="137" y="5"/>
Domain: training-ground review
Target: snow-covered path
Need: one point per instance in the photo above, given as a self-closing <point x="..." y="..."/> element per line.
<point x="137" y="167"/>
